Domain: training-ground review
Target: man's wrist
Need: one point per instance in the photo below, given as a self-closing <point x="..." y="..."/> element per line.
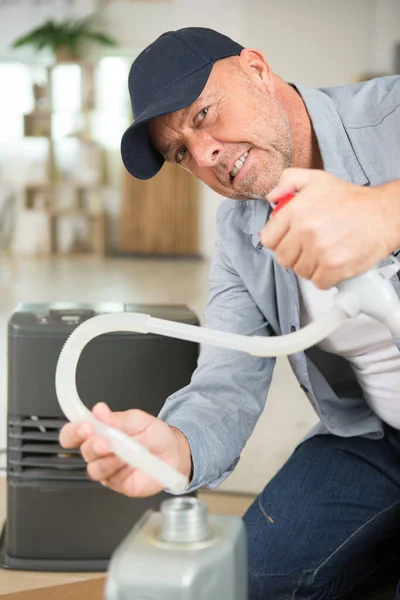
<point x="185" y="456"/>
<point x="389" y="205"/>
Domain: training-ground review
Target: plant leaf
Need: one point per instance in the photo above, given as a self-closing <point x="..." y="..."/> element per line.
<point x="69" y="33"/>
<point x="102" y="38"/>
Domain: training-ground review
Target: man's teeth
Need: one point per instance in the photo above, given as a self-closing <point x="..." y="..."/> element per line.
<point x="238" y="164"/>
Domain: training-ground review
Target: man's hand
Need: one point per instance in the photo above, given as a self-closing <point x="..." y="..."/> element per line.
<point x="332" y="230"/>
<point x="166" y="442"/>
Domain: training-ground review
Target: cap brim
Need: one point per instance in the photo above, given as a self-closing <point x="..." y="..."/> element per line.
<point x="139" y="156"/>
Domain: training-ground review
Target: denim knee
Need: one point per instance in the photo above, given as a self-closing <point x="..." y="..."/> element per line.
<point x="279" y="568"/>
<point x="296" y="586"/>
<point x="314" y="586"/>
<point x="398" y="592"/>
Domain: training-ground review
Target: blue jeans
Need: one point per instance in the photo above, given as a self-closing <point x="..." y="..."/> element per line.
<point x="329" y="519"/>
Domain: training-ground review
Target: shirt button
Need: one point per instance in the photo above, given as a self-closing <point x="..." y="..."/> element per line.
<point x="303" y="387"/>
<point x="292" y="328"/>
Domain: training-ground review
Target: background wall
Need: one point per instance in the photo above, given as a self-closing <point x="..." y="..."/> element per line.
<point x="318" y="42"/>
<point x="386" y="32"/>
<point x="19" y="16"/>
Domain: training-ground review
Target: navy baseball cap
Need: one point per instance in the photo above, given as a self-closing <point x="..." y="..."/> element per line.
<point x="167" y="76"/>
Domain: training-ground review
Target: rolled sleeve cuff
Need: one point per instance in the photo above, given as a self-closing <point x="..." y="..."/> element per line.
<point x="206" y="463"/>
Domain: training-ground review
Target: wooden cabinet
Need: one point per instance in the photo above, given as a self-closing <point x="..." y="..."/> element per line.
<point x="160" y="216"/>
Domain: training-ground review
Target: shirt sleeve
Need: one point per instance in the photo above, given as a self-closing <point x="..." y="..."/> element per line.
<point x="219" y="409"/>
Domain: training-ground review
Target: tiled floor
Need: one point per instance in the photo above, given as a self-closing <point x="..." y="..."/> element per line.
<point x="287" y="416"/>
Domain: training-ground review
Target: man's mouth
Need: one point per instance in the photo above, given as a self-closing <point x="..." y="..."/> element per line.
<point x="238" y="165"/>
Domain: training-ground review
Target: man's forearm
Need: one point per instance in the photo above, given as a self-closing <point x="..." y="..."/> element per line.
<point x="388" y="201"/>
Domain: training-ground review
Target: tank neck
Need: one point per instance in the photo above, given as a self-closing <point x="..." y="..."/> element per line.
<point x="184" y="520"/>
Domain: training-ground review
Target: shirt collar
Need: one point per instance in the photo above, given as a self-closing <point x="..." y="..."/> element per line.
<point x="337" y="153"/>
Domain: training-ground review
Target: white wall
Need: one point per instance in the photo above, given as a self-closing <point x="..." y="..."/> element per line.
<point x="386" y="19"/>
<point x="317" y="42"/>
<point x="139" y="23"/>
<point x="20" y="16"/>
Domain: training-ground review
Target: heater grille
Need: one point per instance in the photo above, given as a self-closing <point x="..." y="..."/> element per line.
<point x="34" y="451"/>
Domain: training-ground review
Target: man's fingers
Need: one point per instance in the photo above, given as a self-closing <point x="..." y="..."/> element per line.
<point x="132" y="483"/>
<point x="102" y="412"/>
<point x="104" y="468"/>
<point x="305" y="265"/>
<point x="94" y="448"/>
<point x="122" y="481"/>
<point x="325" y="278"/>
<point x="292" y="180"/>
<point x="131" y="422"/>
<point x="287" y="253"/>
<point x="73" y="434"/>
<point x="275" y="230"/>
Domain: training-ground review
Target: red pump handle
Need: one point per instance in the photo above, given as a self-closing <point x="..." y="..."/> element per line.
<point x="280" y="203"/>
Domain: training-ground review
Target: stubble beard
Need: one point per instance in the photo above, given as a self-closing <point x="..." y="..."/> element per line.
<point x="254" y="186"/>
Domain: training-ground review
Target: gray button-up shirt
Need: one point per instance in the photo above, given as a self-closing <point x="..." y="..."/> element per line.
<point x="358" y="132"/>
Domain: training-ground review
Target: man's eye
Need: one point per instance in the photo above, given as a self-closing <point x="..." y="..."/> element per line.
<point x="180" y="155"/>
<point x="202" y="115"/>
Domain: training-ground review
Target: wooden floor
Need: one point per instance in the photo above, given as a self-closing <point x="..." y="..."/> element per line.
<point x="18" y="581"/>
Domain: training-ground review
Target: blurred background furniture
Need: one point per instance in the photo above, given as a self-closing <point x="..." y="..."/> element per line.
<point x="72" y="172"/>
<point x="160" y="216"/>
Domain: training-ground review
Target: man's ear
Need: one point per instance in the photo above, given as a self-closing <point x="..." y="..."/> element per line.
<point x="257" y="68"/>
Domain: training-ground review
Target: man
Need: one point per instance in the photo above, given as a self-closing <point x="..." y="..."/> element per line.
<point x="331" y="516"/>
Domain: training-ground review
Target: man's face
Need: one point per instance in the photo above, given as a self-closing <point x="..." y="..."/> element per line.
<point x="235" y="137"/>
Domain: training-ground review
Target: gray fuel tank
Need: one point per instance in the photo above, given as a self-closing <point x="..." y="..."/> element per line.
<point x="181" y="553"/>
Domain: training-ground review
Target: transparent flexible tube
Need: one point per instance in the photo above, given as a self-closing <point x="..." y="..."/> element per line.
<point x="121" y="444"/>
<point x="281" y="345"/>
<point x="392" y="320"/>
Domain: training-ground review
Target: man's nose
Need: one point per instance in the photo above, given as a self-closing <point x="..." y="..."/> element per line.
<point x="205" y="149"/>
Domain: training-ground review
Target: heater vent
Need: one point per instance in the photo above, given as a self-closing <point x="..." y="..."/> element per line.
<point x="34" y="451"/>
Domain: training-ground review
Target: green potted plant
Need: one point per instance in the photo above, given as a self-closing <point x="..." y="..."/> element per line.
<point x="63" y="38"/>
